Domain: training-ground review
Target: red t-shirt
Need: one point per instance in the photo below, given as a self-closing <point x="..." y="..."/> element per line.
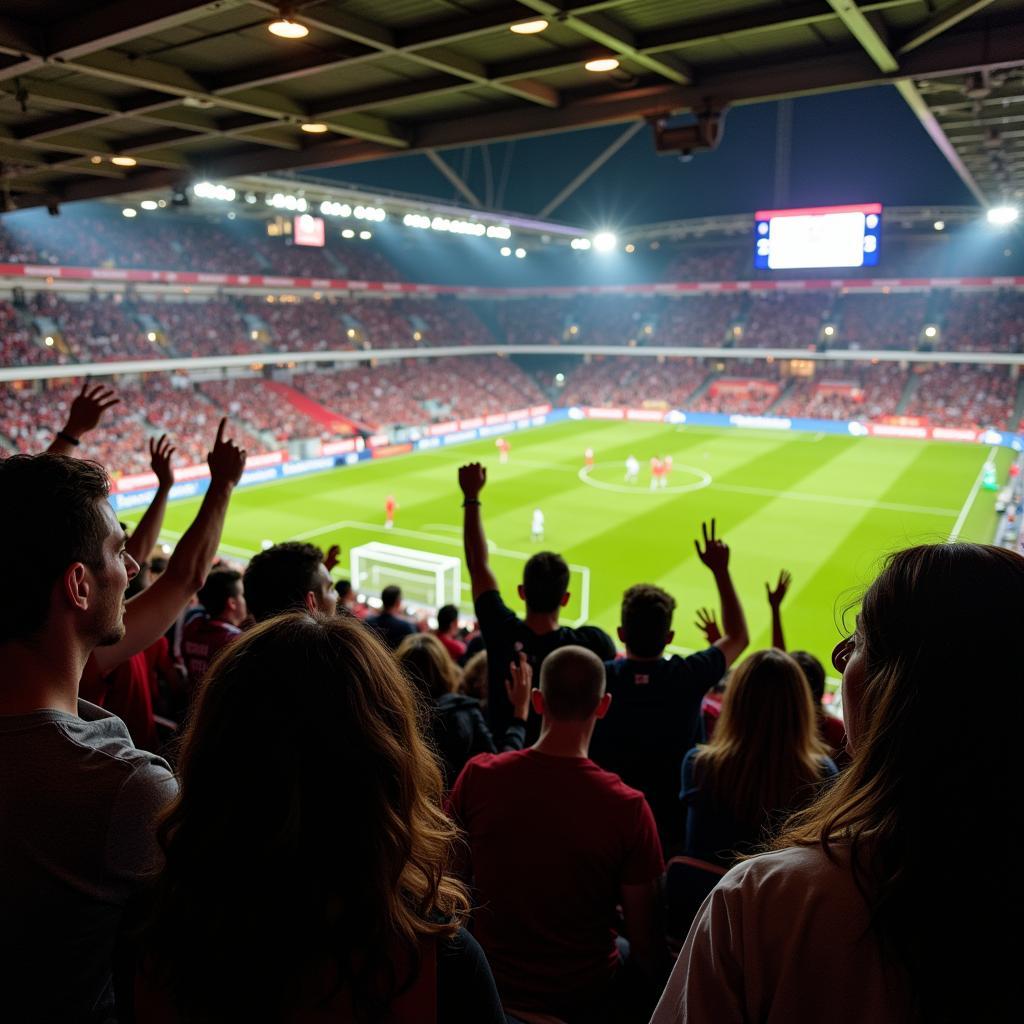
<point x="201" y="639"/>
<point x="389" y="506"/>
<point x="124" y="692"/>
<point x="551" y="841"/>
<point x="456" y="648"/>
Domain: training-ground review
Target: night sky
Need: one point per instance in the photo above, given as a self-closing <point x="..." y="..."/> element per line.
<point x="857" y="146"/>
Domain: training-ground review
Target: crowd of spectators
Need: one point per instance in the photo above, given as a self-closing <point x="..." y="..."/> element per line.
<point x="784" y="319"/>
<point x="879" y="320"/>
<point x="204" y="327"/>
<point x="305" y="325"/>
<point x="857" y="393"/>
<point x="703" y="320"/>
<point x="984" y="322"/>
<point x="248" y="400"/>
<point x="19" y="344"/>
<point x="95" y="329"/>
<point x="955" y="396"/>
<point x="747" y="397"/>
<point x="621" y="381"/>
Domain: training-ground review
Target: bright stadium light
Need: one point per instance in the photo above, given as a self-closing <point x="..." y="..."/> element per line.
<point x="930" y="331"/>
<point x="939" y="225"/>
<point x="348" y="233"/>
<point x="151" y="336"/>
<point x="520" y="254"/>
<point x="499" y="231"/>
<point x="123" y="161"/>
<point x="529" y="28"/>
<point x="314" y="127"/>
<point x="1001" y="216"/>
<point x="48" y="341"/>
<point x="602" y="64"/>
<point x="148" y="204"/>
<point x="605" y="241"/>
<point x="829" y="331"/>
<point x="366" y="235"/>
<point x="129" y="212"/>
<point x="505" y="251"/>
<point x="582" y="244"/>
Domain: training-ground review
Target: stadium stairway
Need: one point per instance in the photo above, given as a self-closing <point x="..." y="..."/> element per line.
<point x="701" y="390"/>
<point x="913" y="383"/>
<point x="783" y="394"/>
<point x="333" y="421"/>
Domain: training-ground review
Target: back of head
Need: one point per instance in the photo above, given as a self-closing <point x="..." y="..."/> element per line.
<point x="391" y="598"/>
<point x="938" y="624"/>
<point x="765" y="750"/>
<point x="814" y="673"/>
<point x="646" y="619"/>
<point x="219" y="587"/>
<point x="572" y="683"/>
<point x="328" y="850"/>
<point x="474" y="677"/>
<point x="51" y="516"/>
<point x="427" y="665"/>
<point x="344" y="589"/>
<point x="545" y="582"/>
<point x="278" y="579"/>
<point x="446" y="617"/>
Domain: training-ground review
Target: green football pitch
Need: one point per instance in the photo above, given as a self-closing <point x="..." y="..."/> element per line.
<point x="827" y="508"/>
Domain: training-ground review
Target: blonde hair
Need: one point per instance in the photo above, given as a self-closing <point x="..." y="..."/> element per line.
<point x="765" y="754"/>
<point x="428" y="665"/>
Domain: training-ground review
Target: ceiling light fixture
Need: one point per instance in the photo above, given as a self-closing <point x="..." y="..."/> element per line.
<point x="314" y="127"/>
<point x="123" y="161"/>
<point x="602" y="64"/>
<point x="529" y="28"/>
<point x="285" y="28"/>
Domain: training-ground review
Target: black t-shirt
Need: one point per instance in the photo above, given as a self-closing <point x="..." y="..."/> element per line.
<point x="390" y="628"/>
<point x="505" y="634"/>
<point x="651" y="724"/>
<point x="466" y="993"/>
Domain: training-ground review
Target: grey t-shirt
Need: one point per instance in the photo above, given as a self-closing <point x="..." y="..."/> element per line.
<point x="77" y="809"/>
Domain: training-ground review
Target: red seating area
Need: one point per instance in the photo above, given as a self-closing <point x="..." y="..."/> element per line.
<point x="978" y="396"/>
<point x="880" y="389"/>
<point x="248" y="401"/>
<point x="96" y="329"/>
<point x="207" y="327"/>
<point x="447" y="322"/>
<point x="621" y="381"/>
<point x="984" y="321"/>
<point x="307" y="325"/>
<point x="18" y="345"/>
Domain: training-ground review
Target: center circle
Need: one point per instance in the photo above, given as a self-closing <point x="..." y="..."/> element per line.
<point x="703" y="480"/>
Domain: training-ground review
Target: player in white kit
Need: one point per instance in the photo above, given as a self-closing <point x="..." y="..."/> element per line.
<point x="537" y="526"/>
<point x="632" y="469"/>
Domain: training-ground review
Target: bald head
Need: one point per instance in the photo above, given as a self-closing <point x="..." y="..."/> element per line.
<point x="572" y="684"/>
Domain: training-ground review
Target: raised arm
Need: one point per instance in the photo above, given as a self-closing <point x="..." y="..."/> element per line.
<point x="716" y="557"/>
<point x="775" y="603"/>
<point x="472" y="479"/>
<point x="84" y="415"/>
<point x="147" y="533"/>
<point x="150" y="614"/>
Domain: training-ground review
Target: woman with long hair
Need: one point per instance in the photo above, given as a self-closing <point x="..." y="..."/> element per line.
<point x="878" y="901"/>
<point x="306" y="855"/>
<point x="764" y="760"/>
<point x="454" y="721"/>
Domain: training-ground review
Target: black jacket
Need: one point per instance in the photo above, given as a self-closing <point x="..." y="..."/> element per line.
<point x="460" y="732"/>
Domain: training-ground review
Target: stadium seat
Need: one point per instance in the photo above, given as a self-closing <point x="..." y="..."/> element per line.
<point x="687" y="883"/>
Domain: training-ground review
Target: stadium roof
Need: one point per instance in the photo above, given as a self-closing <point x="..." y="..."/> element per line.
<point x="190" y="89"/>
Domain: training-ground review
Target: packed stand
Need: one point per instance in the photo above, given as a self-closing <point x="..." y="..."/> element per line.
<point x="306" y="325"/>
<point x="534" y="321"/>
<point x="709" y="263"/>
<point x="208" y="327"/>
<point x="984" y="322"/>
<point x="956" y="396"/>
<point x="447" y="321"/>
<point x="784" y="320"/>
<point x="18" y="344"/>
<point x="747" y="397"/>
<point x="861" y="393"/>
<point x="703" y="320"/>
<point x="880" y="321"/>
<point x="249" y="401"/>
<point x="634" y="382"/>
<point x="95" y="329"/>
<point x="382" y="324"/>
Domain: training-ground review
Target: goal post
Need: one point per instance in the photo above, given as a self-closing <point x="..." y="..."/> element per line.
<point x="427" y="580"/>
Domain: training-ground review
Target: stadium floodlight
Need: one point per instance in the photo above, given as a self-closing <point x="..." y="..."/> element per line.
<point x="1001" y="216"/>
<point x="529" y="28"/>
<point x="939" y="225"/>
<point x="930" y="331"/>
<point x="151" y="335"/>
<point x="207" y="190"/>
<point x="123" y="161"/>
<point x="366" y="235"/>
<point x="602" y="64"/>
<point x="348" y="233"/>
<point x="582" y="244"/>
<point x="829" y="330"/>
<point x="48" y="341"/>
<point x="605" y="241"/>
<point x="148" y="204"/>
<point x="129" y="211"/>
<point x="499" y="231"/>
<point x="520" y="254"/>
<point x="314" y="127"/>
<point x="505" y="251"/>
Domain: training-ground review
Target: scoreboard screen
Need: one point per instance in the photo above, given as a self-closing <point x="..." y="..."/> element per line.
<point x="308" y="230"/>
<point x="822" y="236"/>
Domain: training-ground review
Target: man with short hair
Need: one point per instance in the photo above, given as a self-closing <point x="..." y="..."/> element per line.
<point x="556" y="844"/>
<point x="545" y="590"/>
<point x="389" y="624"/>
<point x="658" y="699"/>
<point x="224" y="610"/>
<point x="289" y="577"/>
<point x="78" y="802"/>
<point x="447" y="632"/>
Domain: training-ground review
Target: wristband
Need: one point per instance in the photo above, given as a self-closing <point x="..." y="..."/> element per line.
<point x="67" y="437"/>
<point x="471" y="501"/>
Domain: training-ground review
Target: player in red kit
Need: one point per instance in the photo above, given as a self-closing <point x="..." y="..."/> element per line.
<point x="657" y="468"/>
<point x="588" y="458"/>
<point x="390" y="507"/>
<point x="503" y="449"/>
<point x="666" y="469"/>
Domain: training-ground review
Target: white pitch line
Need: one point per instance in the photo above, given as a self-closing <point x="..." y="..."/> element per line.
<point x="969" y="502"/>
<point x="830" y="499"/>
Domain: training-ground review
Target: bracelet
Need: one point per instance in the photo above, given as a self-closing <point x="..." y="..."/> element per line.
<point x="67" y="437"/>
<point x="471" y="501"/>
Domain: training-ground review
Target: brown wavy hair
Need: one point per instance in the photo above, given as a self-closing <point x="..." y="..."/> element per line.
<point x="428" y="665"/>
<point x="765" y="756"/>
<point x="928" y="780"/>
<point x="307" y="841"/>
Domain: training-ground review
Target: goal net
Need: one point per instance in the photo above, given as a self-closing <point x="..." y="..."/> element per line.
<point x="426" y="579"/>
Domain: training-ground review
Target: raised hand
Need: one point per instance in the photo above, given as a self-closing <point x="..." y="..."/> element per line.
<point x="226" y="459"/>
<point x="472" y="479"/>
<point x="519" y="685"/>
<point x="708" y="625"/>
<point x="160" y="454"/>
<point x="332" y="557"/>
<point x="88" y="408"/>
<point x="775" y="596"/>
<point x="716" y="553"/>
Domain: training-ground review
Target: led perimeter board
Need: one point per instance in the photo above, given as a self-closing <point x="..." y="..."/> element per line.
<point x="822" y="236"/>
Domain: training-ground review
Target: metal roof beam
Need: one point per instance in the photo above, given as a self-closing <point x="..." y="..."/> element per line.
<point x="943" y="19"/>
<point x="869" y="32"/>
<point x="449" y="172"/>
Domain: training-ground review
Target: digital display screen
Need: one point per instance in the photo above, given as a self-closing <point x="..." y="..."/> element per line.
<point x="308" y="230"/>
<point x="822" y="236"/>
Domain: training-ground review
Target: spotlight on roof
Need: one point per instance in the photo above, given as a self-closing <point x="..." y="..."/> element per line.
<point x="1000" y="216"/>
<point x="829" y="331"/>
<point x="602" y="64"/>
<point x="314" y="127"/>
<point x="148" y="204"/>
<point x="529" y="28"/>
<point x="930" y="331"/>
<point x="48" y="340"/>
<point x="151" y="335"/>
<point x="285" y="26"/>
<point x="123" y="161"/>
<point x="605" y="241"/>
<point x="129" y="211"/>
<point x="520" y="254"/>
<point x="939" y="225"/>
<point x="581" y="244"/>
<point x="505" y="251"/>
